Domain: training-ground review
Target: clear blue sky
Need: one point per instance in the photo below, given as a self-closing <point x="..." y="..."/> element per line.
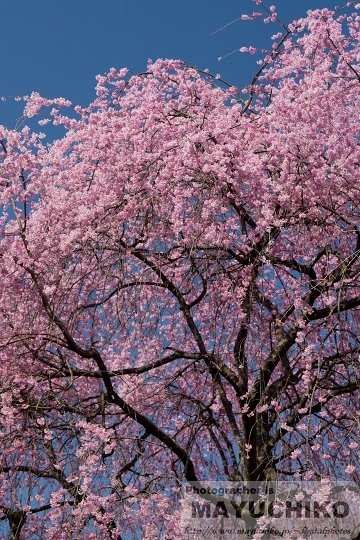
<point x="56" y="47"/>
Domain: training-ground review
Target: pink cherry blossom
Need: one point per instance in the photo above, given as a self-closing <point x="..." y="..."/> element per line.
<point x="180" y="288"/>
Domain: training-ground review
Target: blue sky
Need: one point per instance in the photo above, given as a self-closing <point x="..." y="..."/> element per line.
<point x="56" y="47"/>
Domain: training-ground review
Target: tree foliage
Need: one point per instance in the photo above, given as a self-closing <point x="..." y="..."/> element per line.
<point x="180" y="289"/>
